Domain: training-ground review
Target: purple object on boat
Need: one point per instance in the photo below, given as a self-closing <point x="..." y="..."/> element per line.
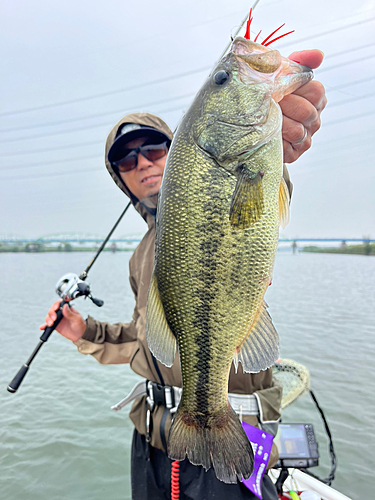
<point x="262" y="443"/>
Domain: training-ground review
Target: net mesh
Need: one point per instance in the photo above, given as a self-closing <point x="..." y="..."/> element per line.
<point x="295" y="379"/>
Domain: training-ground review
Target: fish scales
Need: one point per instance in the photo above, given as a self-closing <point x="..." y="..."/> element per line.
<point x="216" y="240"/>
<point x="223" y="262"/>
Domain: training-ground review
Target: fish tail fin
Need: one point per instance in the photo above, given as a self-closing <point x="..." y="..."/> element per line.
<point x="218" y="441"/>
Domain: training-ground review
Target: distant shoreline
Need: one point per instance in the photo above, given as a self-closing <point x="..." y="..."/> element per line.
<point x="365" y="249"/>
<point x="61" y="249"/>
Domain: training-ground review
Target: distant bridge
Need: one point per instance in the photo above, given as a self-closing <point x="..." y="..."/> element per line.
<point x="79" y="238"/>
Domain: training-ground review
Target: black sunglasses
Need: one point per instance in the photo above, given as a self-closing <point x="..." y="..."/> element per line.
<point x="151" y="152"/>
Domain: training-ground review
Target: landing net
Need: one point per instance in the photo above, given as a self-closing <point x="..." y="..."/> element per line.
<point x="295" y="379"/>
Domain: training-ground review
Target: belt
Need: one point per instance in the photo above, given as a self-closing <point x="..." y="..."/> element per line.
<point x="243" y="404"/>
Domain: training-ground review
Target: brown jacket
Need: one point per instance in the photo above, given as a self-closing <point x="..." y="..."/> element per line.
<point x="126" y="343"/>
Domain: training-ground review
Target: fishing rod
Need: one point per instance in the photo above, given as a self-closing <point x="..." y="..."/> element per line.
<point x="69" y="287"/>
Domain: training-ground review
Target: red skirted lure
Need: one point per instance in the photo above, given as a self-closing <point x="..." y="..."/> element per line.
<point x="265" y="41"/>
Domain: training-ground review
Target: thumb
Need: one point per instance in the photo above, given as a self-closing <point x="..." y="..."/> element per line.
<point x="311" y="58"/>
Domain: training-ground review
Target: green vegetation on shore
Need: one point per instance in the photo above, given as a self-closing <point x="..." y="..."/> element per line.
<point x="365" y="249"/>
<point x="63" y="247"/>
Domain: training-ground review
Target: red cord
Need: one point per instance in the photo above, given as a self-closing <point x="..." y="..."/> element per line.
<point x="175" y="480"/>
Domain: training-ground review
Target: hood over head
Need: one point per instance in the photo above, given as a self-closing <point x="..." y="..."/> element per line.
<point x="147" y="120"/>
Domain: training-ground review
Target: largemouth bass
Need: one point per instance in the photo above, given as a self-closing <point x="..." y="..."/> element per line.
<point x="221" y="202"/>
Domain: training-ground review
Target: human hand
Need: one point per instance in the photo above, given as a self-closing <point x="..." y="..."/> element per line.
<point x="72" y="326"/>
<point x="302" y="109"/>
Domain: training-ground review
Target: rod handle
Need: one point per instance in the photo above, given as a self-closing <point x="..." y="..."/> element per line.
<point x="16" y="382"/>
<point x="49" y="329"/>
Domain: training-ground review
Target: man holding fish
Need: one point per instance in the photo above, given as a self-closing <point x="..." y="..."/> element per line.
<point x="224" y="195"/>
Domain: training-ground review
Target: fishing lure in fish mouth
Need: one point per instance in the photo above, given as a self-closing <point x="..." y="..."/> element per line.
<point x="265" y="42"/>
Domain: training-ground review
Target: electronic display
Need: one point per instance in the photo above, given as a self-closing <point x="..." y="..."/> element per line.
<point x="297" y="446"/>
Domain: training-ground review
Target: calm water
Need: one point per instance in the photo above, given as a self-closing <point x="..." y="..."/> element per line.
<point x="59" y="438"/>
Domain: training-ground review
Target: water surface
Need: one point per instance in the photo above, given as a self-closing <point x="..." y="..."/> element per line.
<point x="61" y="440"/>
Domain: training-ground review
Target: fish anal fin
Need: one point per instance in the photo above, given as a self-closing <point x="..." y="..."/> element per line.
<point x="247" y="200"/>
<point x="284" y="201"/>
<point x="260" y="350"/>
<point x="160" y="339"/>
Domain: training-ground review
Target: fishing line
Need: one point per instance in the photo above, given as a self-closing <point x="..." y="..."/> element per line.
<point x="239" y="29"/>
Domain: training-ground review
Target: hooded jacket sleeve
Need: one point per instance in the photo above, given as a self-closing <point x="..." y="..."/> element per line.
<point x="110" y="343"/>
<point x="117" y="343"/>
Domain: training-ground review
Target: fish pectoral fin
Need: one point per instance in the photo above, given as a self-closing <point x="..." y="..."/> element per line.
<point x="247" y="200"/>
<point x="284" y="202"/>
<point x="260" y="350"/>
<point x="160" y="339"/>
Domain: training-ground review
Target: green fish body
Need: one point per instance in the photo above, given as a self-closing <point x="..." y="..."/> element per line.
<point x="221" y="203"/>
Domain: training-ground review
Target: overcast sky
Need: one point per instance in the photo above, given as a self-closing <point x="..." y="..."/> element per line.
<point x="71" y="69"/>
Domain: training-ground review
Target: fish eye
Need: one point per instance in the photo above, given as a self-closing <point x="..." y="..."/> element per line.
<point x="221" y="77"/>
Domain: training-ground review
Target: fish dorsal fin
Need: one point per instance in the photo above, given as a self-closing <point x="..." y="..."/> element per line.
<point x="160" y="339"/>
<point x="284" y="201"/>
<point x="261" y="348"/>
<point x="247" y="200"/>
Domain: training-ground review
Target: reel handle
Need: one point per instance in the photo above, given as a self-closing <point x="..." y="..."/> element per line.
<point x="16" y="382"/>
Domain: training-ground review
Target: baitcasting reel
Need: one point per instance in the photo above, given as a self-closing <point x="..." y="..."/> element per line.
<point x="70" y="286"/>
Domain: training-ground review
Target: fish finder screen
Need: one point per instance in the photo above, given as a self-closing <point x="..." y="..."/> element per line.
<point x="291" y="441"/>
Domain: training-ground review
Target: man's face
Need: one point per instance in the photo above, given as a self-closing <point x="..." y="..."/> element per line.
<point x="145" y="179"/>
